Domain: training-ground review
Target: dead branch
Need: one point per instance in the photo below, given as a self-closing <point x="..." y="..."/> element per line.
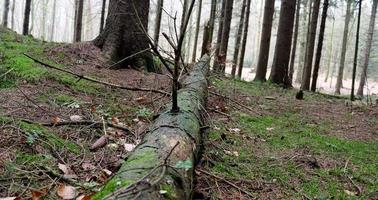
<point x="233" y="101"/>
<point x="95" y="80"/>
<point x="7" y="72"/>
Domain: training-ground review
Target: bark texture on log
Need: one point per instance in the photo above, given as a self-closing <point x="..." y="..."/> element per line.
<point x="172" y="139"/>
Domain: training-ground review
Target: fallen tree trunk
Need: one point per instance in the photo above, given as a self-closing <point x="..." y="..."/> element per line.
<point x="162" y="166"/>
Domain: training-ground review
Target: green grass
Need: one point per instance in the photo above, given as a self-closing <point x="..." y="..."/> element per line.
<point x="283" y="134"/>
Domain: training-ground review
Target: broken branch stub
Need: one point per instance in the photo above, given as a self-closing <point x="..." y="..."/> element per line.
<point x="162" y="166"/>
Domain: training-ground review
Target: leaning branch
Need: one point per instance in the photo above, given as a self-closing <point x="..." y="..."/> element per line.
<point x="95" y="80"/>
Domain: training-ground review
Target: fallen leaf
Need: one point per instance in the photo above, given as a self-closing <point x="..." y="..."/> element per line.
<point x="115" y="120"/>
<point x="84" y="197"/>
<point x="66" y="191"/>
<point x="107" y="172"/>
<point x="136" y="120"/>
<point x="56" y="120"/>
<point x="270" y="129"/>
<point x="76" y="118"/>
<point x="101" y="142"/>
<point x="236" y="153"/>
<point x="235" y="130"/>
<point x="38" y="194"/>
<point x="88" y="166"/>
<point x="68" y="172"/>
<point x="10" y="198"/>
<point x="350" y="193"/>
<point x="141" y="99"/>
<point x="129" y="147"/>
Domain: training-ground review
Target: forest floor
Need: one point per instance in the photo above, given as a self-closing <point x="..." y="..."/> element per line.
<point x="262" y="143"/>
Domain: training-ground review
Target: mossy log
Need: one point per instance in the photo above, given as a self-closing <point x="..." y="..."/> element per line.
<point x="161" y="167"/>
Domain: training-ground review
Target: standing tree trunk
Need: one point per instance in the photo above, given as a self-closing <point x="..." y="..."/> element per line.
<point x="320" y="46"/>
<point x="368" y="46"/>
<point x="25" y="30"/>
<point x="13" y="9"/>
<point x="226" y="34"/>
<point x="306" y="78"/>
<point x="121" y="38"/>
<point x="294" y="46"/>
<point x="184" y="11"/>
<point x="244" y="40"/>
<point x="79" y="6"/>
<point x="219" y="37"/>
<point x="159" y="12"/>
<point x="53" y="22"/>
<point x="340" y="75"/>
<point x="262" y="64"/>
<point x="280" y="67"/>
<point x="238" y="39"/>
<point x="102" y="21"/>
<point x="330" y="51"/>
<point x="198" y="23"/>
<point x="305" y="32"/>
<point x="6" y="12"/>
<point x="212" y="19"/>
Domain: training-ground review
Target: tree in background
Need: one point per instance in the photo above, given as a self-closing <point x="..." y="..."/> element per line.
<point x="238" y="38"/>
<point x="320" y="45"/>
<point x="262" y="63"/>
<point x="366" y="56"/>
<point x="307" y="7"/>
<point x="213" y="11"/>
<point x="198" y="23"/>
<point x="244" y="40"/>
<point x="295" y="41"/>
<point x="219" y="37"/>
<point x="6" y="12"/>
<point x="159" y="13"/>
<point x="25" y="27"/>
<point x="122" y="38"/>
<point x="52" y="34"/>
<point x="340" y="75"/>
<point x="226" y="33"/>
<point x="79" y="6"/>
<point x="306" y="78"/>
<point x="102" y="20"/>
<point x="280" y="68"/>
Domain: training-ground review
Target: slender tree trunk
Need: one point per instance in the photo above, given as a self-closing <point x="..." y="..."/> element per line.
<point x="368" y="46"/>
<point x="184" y="12"/>
<point x="262" y="64"/>
<point x="226" y="33"/>
<point x="79" y="6"/>
<point x="305" y="32"/>
<point x="244" y="40"/>
<point x="159" y="12"/>
<point x="13" y="10"/>
<point x="219" y="37"/>
<point x="43" y="20"/>
<point x="212" y="19"/>
<point x="340" y="75"/>
<point x="352" y="96"/>
<point x="32" y="17"/>
<point x="295" y="41"/>
<point x="6" y="12"/>
<point x="320" y="46"/>
<point x="306" y="78"/>
<point x="206" y="42"/>
<point x="198" y="23"/>
<point x="53" y="22"/>
<point x="280" y="67"/>
<point x="238" y="39"/>
<point x="102" y="20"/>
<point x="25" y="30"/>
<point x="330" y="51"/>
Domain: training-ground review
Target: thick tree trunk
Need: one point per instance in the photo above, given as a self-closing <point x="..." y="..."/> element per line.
<point x="6" y="13"/>
<point x="244" y="40"/>
<point x="262" y="64"/>
<point x="340" y="75"/>
<point x="307" y="70"/>
<point x="305" y="32"/>
<point x="219" y="37"/>
<point x="198" y="23"/>
<point x="102" y="20"/>
<point x="226" y="34"/>
<point x="159" y="12"/>
<point x="295" y="41"/>
<point x="121" y="38"/>
<point x="320" y="46"/>
<point x="280" y="67"/>
<point x="368" y="46"/>
<point x="79" y="6"/>
<point x="162" y="166"/>
<point x="25" y="29"/>
<point x="238" y="39"/>
<point x="52" y="34"/>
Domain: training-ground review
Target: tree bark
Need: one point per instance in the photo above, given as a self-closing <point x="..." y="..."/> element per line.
<point x="79" y="6"/>
<point x="262" y="64"/>
<point x="198" y="23"/>
<point x="53" y="22"/>
<point x="159" y="13"/>
<point x="280" y="67"/>
<point x="330" y="52"/>
<point x="12" y="17"/>
<point x="212" y="19"/>
<point x="340" y="75"/>
<point x="307" y="70"/>
<point x="295" y="41"/>
<point x="305" y="32"/>
<point x="206" y="42"/>
<point x="102" y="20"/>
<point x="121" y="38"/>
<point x="368" y="47"/>
<point x="320" y="46"/>
<point x="219" y="38"/>
<point x="156" y="165"/>
<point x="25" y="30"/>
<point x="238" y="39"/>
<point x="6" y="13"/>
<point x="226" y="34"/>
<point x="244" y="40"/>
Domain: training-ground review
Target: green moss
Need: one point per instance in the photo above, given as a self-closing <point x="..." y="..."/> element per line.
<point x="76" y="84"/>
<point x="111" y="186"/>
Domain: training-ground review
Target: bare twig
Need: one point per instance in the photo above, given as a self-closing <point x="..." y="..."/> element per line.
<point x="233" y="101"/>
<point x="129" y="57"/>
<point x="95" y="80"/>
<point x="7" y="72"/>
